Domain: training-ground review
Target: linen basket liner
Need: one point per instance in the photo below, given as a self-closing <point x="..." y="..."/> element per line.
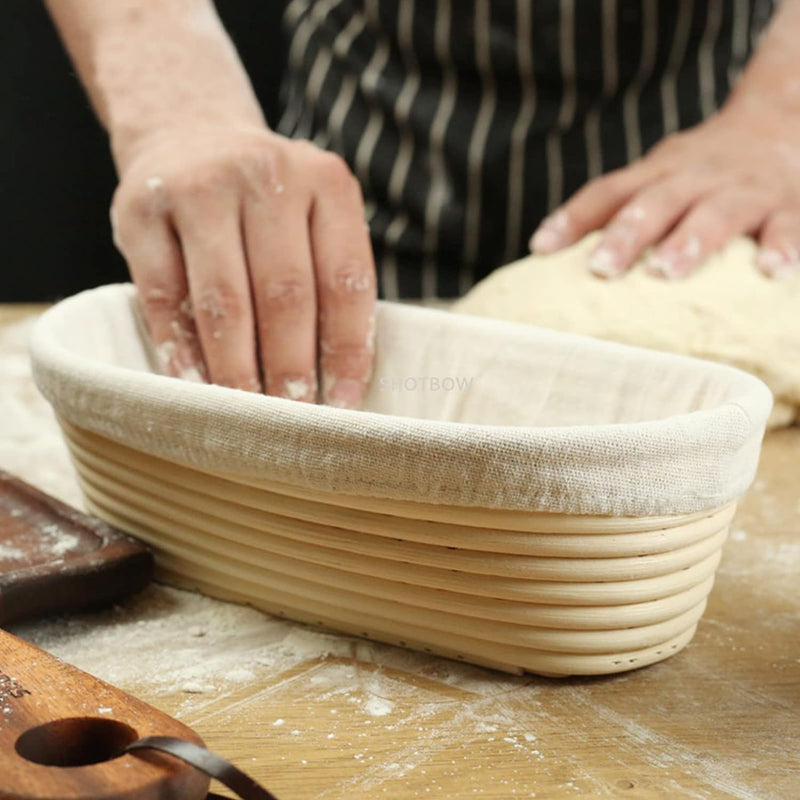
<point x="461" y="411"/>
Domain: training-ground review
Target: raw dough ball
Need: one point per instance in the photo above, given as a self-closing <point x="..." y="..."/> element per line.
<point x="726" y="311"/>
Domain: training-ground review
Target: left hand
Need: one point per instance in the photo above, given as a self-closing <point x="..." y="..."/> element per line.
<point x="737" y="173"/>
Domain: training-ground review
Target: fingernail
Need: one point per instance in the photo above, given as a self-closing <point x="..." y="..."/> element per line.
<point x="777" y="263"/>
<point x="193" y="373"/>
<point x="296" y="389"/>
<point x="166" y="353"/>
<point x="345" y="393"/>
<point x="624" y="232"/>
<point x="549" y="236"/>
<point x="251" y="385"/>
<point x="662" y="265"/>
<point x="633" y="213"/>
<point x="545" y="240"/>
<point x="173" y="362"/>
<point x="605" y="263"/>
<point x="676" y="262"/>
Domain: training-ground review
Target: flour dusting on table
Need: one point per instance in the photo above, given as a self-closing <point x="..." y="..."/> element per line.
<point x="31" y="446"/>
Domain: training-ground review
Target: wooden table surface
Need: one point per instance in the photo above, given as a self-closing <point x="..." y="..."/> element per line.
<point x="719" y="720"/>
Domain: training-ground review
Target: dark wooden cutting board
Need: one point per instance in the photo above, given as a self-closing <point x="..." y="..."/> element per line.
<point x="55" y="559"/>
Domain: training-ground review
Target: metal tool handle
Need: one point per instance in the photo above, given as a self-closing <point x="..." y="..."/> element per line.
<point x="209" y="763"/>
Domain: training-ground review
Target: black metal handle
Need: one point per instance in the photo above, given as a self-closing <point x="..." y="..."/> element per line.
<point x="208" y="762"/>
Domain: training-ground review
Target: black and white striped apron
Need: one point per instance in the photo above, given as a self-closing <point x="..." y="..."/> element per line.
<point x="466" y="121"/>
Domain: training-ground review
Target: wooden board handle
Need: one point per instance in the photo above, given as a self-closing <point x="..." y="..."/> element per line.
<point x="61" y="731"/>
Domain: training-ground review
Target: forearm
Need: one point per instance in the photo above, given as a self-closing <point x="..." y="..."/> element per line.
<point x="147" y="63"/>
<point x="771" y="81"/>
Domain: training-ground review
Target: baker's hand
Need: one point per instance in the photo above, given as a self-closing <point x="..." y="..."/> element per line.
<point x="738" y="173"/>
<point x="252" y="259"/>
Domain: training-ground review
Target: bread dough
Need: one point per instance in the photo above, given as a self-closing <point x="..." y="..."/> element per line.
<point x="726" y="311"/>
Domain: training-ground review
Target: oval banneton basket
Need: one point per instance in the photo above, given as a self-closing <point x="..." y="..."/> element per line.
<point x="509" y="496"/>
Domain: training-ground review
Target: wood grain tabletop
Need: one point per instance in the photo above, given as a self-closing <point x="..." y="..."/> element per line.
<point x="719" y="720"/>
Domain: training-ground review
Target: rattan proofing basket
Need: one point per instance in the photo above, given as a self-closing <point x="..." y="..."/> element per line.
<point x="562" y="513"/>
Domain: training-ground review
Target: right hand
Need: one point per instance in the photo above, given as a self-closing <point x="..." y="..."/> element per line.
<point x="252" y="260"/>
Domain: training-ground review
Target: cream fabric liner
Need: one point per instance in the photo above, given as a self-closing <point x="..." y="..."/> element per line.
<point x="550" y="422"/>
<point x="575" y="614"/>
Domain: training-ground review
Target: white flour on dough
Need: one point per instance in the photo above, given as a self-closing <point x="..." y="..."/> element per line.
<point x="726" y="311"/>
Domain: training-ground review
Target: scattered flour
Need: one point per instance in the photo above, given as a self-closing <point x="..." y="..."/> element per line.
<point x="182" y="642"/>
<point x="378" y="706"/>
<point x="58" y="542"/>
<point x="10" y="553"/>
<point x="784" y="556"/>
<point x="31" y="446"/>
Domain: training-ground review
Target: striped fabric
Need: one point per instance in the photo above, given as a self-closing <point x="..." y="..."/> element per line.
<point x="466" y="121"/>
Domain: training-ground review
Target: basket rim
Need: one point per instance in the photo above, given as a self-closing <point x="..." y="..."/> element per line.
<point x="94" y="395"/>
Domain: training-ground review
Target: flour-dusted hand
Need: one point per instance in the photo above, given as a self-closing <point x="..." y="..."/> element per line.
<point x="688" y="197"/>
<point x="252" y="260"/>
<point x="737" y="173"/>
<point x="249" y="250"/>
